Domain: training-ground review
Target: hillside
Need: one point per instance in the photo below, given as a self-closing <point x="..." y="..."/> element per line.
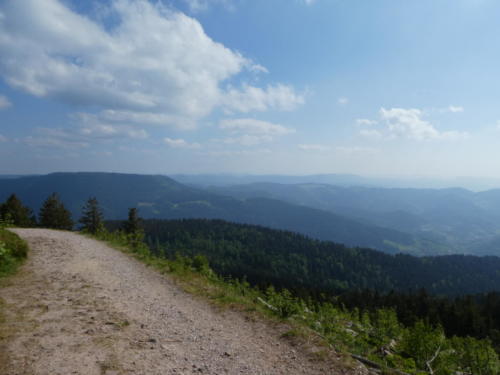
<point x="454" y="220"/>
<point x="288" y="260"/>
<point x="163" y="198"/>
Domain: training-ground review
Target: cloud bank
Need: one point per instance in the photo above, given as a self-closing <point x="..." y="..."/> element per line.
<point x="142" y="61"/>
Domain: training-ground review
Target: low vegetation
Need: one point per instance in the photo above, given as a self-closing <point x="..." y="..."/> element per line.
<point x="13" y="251"/>
<point x="375" y="337"/>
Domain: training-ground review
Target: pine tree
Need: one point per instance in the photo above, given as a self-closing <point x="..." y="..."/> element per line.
<point x="54" y="215"/>
<point x="132" y="228"/>
<point x="92" y="219"/>
<point x="14" y="212"/>
<point x="133" y="224"/>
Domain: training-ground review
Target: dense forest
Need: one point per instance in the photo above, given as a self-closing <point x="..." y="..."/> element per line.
<point x="310" y="267"/>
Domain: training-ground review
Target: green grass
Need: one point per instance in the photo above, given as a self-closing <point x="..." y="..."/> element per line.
<point x="318" y="327"/>
<point x="13" y="251"/>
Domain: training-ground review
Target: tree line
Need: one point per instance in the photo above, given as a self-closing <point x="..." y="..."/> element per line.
<point x="54" y="215"/>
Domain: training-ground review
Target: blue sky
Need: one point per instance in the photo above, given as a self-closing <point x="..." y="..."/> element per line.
<point x="370" y="87"/>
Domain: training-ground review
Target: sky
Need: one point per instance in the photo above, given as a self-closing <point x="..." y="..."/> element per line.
<point x="368" y="87"/>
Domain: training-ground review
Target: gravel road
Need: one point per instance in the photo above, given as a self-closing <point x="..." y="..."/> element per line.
<point x="80" y="307"/>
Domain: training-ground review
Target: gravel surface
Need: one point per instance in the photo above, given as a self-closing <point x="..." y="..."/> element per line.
<point x="80" y="307"/>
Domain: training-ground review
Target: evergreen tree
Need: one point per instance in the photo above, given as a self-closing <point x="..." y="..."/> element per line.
<point x="133" y="224"/>
<point x="54" y="215"/>
<point x="14" y="212"/>
<point x="133" y="228"/>
<point x="92" y="219"/>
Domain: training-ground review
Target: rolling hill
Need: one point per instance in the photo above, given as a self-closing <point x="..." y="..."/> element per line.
<point x="161" y="197"/>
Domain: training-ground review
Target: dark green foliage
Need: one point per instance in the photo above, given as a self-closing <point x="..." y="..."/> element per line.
<point x="303" y="265"/>
<point x="15" y="213"/>
<point x="54" y="215"/>
<point x="13" y="251"/>
<point x="378" y="336"/>
<point x="92" y="218"/>
<point x="132" y="228"/>
<point x="133" y="224"/>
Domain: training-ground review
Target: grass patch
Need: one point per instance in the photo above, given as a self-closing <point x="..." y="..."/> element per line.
<point x="13" y="251"/>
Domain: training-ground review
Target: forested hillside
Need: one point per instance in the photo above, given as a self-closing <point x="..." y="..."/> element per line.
<point x="456" y="220"/>
<point x="163" y="198"/>
<point x="265" y="256"/>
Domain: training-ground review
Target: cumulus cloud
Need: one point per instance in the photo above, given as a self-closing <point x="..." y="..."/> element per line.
<point x="408" y="123"/>
<point x="4" y="102"/>
<point x="180" y="143"/>
<point x="153" y="62"/>
<point x="250" y="98"/>
<point x="313" y="147"/>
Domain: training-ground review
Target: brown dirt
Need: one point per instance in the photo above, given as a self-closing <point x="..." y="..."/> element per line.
<point x="80" y="307"/>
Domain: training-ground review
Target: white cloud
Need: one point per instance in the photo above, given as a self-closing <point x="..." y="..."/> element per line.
<point x="408" y="123"/>
<point x="153" y="63"/>
<point x="251" y="132"/>
<point x="202" y="5"/>
<point x="180" y="143"/>
<point x="4" y="102"/>
<point x="365" y="122"/>
<point x="343" y="101"/>
<point x="250" y="98"/>
<point x="313" y="147"/>
<point x="253" y="126"/>
<point x="455" y="109"/>
<point x="112" y="131"/>
<point x="309" y="2"/>
<point x="3" y="138"/>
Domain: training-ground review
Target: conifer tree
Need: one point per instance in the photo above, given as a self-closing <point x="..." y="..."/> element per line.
<point x="54" y="215"/>
<point x="132" y="227"/>
<point x="92" y="219"/>
<point x="133" y="224"/>
<point x="14" y="212"/>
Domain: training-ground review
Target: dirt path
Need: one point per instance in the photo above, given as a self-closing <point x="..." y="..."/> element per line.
<point x="79" y="307"/>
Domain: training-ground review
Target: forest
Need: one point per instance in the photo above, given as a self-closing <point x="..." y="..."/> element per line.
<point x="399" y="311"/>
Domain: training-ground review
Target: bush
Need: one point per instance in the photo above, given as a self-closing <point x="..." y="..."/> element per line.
<point x="13" y="251"/>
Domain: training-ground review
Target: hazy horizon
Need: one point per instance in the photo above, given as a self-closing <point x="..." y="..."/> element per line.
<point x="295" y="87"/>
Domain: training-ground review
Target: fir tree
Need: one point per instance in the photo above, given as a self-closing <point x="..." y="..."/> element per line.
<point x="133" y="228"/>
<point x="54" y="215"/>
<point x="14" y="212"/>
<point x="92" y="219"/>
<point x="133" y="224"/>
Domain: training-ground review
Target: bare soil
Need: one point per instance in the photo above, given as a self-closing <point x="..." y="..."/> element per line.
<point x="80" y="307"/>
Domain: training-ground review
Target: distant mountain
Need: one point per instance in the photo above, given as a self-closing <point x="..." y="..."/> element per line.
<point x="164" y="198"/>
<point x="348" y="180"/>
<point x="452" y="219"/>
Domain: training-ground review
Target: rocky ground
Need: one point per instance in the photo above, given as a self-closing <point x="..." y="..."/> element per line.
<point x="80" y="307"/>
